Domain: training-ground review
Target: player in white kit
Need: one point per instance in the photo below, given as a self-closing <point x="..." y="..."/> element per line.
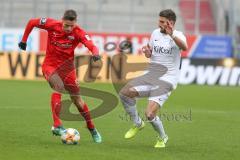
<point x="162" y="76"/>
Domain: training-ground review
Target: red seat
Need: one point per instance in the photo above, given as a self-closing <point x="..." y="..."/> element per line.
<point x="206" y="20"/>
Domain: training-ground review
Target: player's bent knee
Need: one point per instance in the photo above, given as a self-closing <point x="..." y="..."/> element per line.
<point x="129" y="92"/>
<point x="133" y="91"/>
<point x="150" y="115"/>
<point x="124" y="91"/>
<point x="77" y="100"/>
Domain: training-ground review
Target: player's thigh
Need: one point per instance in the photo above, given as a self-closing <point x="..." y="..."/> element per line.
<point x="143" y="85"/>
<point x="72" y="86"/>
<point x="137" y="87"/>
<point x="56" y="82"/>
<point x="53" y="78"/>
<point x="71" y="83"/>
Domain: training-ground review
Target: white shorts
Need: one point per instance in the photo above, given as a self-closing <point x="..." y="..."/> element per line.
<point x="150" y="84"/>
<point x="158" y="91"/>
<point x="149" y="90"/>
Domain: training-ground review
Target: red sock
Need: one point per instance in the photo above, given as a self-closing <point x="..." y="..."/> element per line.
<point x="56" y="108"/>
<point x="86" y="115"/>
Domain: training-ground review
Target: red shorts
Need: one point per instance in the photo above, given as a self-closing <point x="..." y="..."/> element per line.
<point x="67" y="75"/>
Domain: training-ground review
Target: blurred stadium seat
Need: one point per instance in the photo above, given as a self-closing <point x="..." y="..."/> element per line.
<point x="206" y="19"/>
<point x="135" y="16"/>
<point x="219" y="17"/>
<point x="94" y="15"/>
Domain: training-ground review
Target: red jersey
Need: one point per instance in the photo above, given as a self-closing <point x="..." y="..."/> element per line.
<point x="60" y="45"/>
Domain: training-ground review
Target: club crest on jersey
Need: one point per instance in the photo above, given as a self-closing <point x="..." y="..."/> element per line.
<point x="43" y="21"/>
<point x="87" y="37"/>
<point x="71" y="38"/>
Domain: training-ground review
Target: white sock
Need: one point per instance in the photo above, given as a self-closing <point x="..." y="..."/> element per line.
<point x="158" y="126"/>
<point x="130" y="107"/>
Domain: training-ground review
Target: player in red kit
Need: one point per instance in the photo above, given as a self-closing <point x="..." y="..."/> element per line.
<point x="58" y="66"/>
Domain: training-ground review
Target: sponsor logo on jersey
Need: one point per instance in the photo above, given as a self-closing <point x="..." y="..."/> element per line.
<point x="71" y="38"/>
<point x="62" y="45"/>
<point x="161" y="49"/>
<point x="43" y="21"/>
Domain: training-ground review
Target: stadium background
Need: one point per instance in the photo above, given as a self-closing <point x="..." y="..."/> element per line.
<point x="208" y="90"/>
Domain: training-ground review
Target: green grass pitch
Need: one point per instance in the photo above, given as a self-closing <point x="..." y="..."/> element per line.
<point x="212" y="131"/>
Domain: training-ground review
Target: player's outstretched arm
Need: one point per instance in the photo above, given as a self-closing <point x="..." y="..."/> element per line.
<point x="43" y="23"/>
<point x="31" y="24"/>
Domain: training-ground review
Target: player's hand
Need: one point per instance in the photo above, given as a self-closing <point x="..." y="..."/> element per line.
<point x="169" y="28"/>
<point x="22" y="45"/>
<point x="96" y="58"/>
<point x="147" y="51"/>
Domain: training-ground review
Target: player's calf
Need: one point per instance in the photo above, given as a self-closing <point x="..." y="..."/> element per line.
<point x="56" y="108"/>
<point x="84" y="111"/>
<point x="152" y="110"/>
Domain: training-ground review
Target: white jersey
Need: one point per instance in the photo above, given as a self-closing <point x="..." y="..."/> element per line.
<point x="167" y="53"/>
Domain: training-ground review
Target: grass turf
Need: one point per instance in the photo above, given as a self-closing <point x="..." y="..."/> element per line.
<point x="202" y="122"/>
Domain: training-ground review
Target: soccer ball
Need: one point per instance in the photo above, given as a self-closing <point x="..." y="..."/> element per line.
<point x="70" y="136"/>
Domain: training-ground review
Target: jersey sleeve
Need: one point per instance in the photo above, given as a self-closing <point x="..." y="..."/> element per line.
<point x="181" y="36"/>
<point x="87" y="42"/>
<point x="43" y="23"/>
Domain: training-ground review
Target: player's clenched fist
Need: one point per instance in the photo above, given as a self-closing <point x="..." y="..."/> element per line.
<point x="22" y="45"/>
<point x="147" y="51"/>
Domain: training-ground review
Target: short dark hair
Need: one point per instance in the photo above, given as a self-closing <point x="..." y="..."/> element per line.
<point x="169" y="14"/>
<point x="70" y="15"/>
